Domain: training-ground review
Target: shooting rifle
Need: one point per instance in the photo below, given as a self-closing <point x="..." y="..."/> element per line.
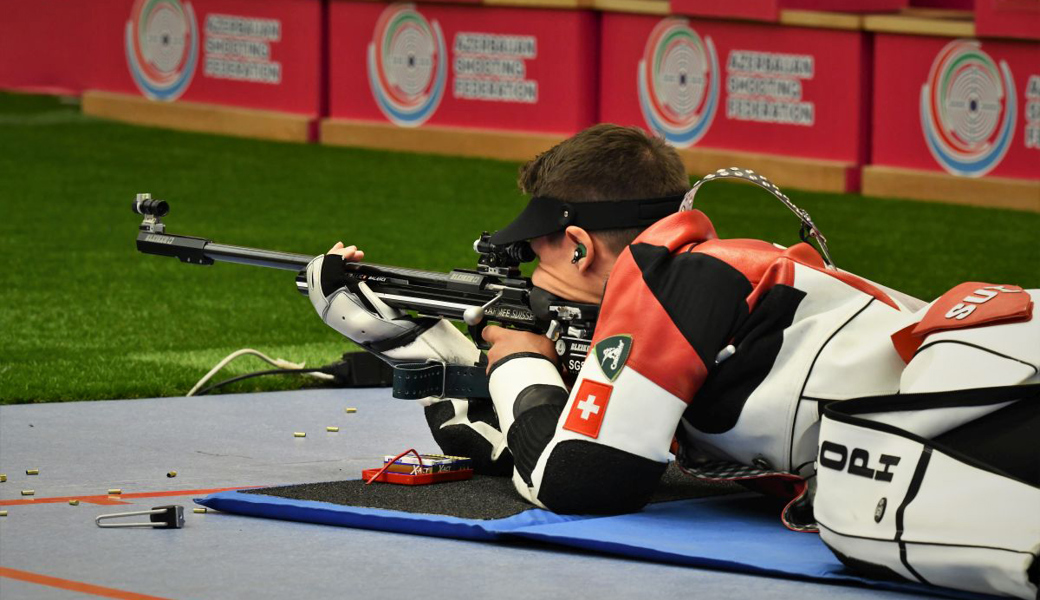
<point x="494" y="292"/>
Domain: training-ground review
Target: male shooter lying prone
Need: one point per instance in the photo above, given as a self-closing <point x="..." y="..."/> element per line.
<point x="744" y="360"/>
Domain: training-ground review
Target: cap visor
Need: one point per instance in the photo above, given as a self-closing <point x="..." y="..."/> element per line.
<point x="541" y="217"/>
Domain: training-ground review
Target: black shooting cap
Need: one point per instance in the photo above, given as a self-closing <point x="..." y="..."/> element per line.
<point x="549" y="215"/>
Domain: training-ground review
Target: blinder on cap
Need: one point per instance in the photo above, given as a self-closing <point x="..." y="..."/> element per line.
<point x="544" y="216"/>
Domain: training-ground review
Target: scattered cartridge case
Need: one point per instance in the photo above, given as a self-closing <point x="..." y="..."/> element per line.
<point x="73" y="502"/>
<point x="32" y="471"/>
<point x="299" y="434"/>
<point x="3" y="478"/>
<point x="3" y="513"/>
<point x="171" y="474"/>
<point x="28" y="492"/>
<point x="115" y="491"/>
<point x="332" y="429"/>
<point x="200" y="511"/>
<point x="351" y="410"/>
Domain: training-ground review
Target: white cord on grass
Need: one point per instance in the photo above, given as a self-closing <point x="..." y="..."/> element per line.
<point x="281" y="363"/>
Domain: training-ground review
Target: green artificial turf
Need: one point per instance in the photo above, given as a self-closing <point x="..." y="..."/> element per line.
<point x="84" y="316"/>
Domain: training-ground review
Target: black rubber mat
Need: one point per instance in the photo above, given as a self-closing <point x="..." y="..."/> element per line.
<point x="481" y="498"/>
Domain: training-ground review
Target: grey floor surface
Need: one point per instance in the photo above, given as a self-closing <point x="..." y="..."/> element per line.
<point x="86" y="448"/>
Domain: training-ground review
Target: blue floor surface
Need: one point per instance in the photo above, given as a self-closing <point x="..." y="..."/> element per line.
<point x="84" y="449"/>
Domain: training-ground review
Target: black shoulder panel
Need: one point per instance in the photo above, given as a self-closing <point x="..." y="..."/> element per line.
<point x="705" y="297"/>
<point x="720" y="400"/>
<point x="588" y="478"/>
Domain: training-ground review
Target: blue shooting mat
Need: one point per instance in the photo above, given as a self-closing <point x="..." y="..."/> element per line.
<point x="326" y="513"/>
<point x="740" y="532"/>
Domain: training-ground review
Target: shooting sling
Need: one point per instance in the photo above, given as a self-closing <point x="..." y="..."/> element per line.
<point x="414" y="381"/>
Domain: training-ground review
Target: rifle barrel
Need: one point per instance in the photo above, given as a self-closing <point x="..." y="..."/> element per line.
<point x="256" y="257"/>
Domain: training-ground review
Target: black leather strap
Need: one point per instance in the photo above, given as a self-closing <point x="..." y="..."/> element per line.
<point x="414" y="381"/>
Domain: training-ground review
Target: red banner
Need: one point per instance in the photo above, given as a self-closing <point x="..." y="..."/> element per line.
<point x="966" y="107"/>
<point x="30" y="55"/>
<point x="769" y="10"/>
<point x="1008" y="18"/>
<point x="244" y="53"/>
<point x="461" y="66"/>
<point x="740" y="86"/>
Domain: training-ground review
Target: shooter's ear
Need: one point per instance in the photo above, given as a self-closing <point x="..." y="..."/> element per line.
<point x="585" y="250"/>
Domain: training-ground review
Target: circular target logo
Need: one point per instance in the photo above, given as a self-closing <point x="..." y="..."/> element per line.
<point x="968" y="109"/>
<point x="407" y="65"/>
<point x="162" y="41"/>
<point x="678" y="82"/>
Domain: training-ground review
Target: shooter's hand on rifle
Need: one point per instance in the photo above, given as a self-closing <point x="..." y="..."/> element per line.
<point x="351" y="308"/>
<point x="349" y="253"/>
<point x="507" y="342"/>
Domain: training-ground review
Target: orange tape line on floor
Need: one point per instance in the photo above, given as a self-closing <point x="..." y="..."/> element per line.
<point x="109" y="500"/>
<point x="74" y="586"/>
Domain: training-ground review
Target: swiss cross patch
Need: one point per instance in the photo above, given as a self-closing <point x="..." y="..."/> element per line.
<point x="590" y="404"/>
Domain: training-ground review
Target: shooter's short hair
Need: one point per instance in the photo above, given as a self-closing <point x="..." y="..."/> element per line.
<point x="606" y="162"/>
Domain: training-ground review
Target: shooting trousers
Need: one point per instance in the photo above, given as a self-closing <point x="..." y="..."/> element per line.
<point x="960" y="509"/>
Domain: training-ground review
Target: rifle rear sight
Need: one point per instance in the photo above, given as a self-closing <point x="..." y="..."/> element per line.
<point x="504" y="260"/>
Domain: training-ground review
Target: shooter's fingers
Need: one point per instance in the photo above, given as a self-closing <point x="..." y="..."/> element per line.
<point x="350" y="253"/>
<point x="492" y="334"/>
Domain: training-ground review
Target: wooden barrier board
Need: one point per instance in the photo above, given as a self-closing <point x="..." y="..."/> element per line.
<point x="991" y="192"/>
<point x="452" y="141"/>
<point x="194" y="116"/>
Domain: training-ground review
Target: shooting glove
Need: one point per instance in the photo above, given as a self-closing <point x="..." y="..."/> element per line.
<point x="352" y="309"/>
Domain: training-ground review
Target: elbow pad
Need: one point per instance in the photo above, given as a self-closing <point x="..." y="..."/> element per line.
<point x="521" y="382"/>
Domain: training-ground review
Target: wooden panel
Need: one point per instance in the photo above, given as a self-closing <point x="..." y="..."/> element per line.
<point x="937" y="13"/>
<point x="540" y="3"/>
<point x="919" y="26"/>
<point x="190" y="116"/>
<point x="786" y="172"/>
<point x="502" y="145"/>
<point x="1002" y="192"/>
<point x="825" y="20"/>
<point x="643" y="7"/>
